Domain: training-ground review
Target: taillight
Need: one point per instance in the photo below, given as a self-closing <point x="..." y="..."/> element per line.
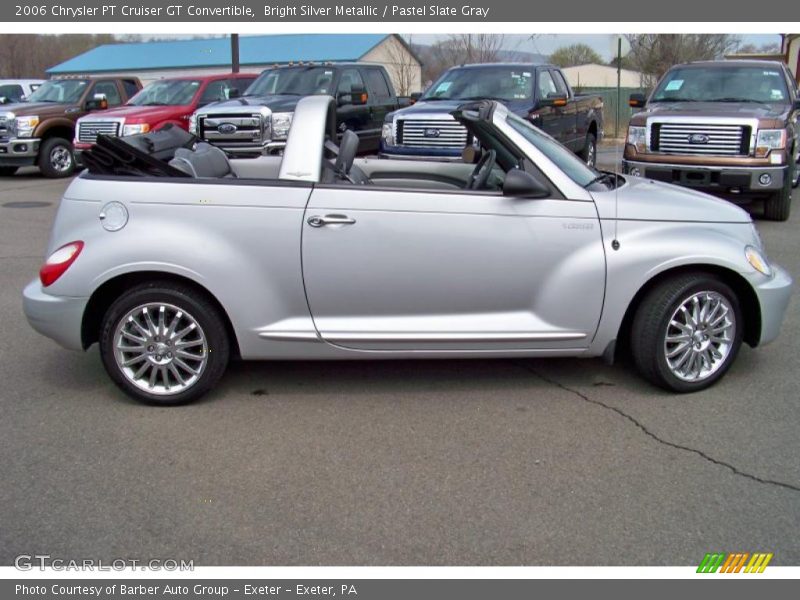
<point x="58" y="262"/>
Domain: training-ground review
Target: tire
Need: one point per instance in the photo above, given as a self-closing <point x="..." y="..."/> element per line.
<point x="8" y="171"/>
<point x="653" y="335"/>
<point x="56" y="158"/>
<point x="796" y="179"/>
<point x="778" y="206"/>
<point x="589" y="152"/>
<point x="161" y="371"/>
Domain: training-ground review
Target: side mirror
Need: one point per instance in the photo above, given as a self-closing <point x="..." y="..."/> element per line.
<point x="99" y="102"/>
<point x="554" y="100"/>
<point x="233" y="93"/>
<point x="797" y="101"/>
<point x="4" y="100"/>
<point x="637" y="101"/>
<point x="521" y="184"/>
<point x="415" y="97"/>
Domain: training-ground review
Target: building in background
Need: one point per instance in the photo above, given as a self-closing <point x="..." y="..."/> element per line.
<point x="158" y="59"/>
<point x="600" y="76"/>
<point x="790" y="46"/>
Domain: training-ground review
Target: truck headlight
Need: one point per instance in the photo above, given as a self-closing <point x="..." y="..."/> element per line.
<point x="193" y="124"/>
<point x="637" y="137"/>
<point x="757" y="260"/>
<point x="135" y="129"/>
<point x="387" y="134"/>
<point x="281" y="122"/>
<point x="768" y="140"/>
<point x="26" y="125"/>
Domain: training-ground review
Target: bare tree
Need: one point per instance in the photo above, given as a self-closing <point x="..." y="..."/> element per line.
<point x="653" y="54"/>
<point x="26" y="56"/>
<point x="403" y="68"/>
<point x="460" y="49"/>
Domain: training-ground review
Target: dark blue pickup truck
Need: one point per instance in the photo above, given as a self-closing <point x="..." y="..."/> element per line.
<point x="539" y="93"/>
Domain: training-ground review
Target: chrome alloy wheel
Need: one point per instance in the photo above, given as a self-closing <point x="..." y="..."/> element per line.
<point x="591" y="155"/>
<point x="160" y="348"/>
<point x="61" y="159"/>
<point x="700" y="336"/>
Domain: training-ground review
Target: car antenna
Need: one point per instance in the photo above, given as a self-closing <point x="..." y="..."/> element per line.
<point x="617" y="165"/>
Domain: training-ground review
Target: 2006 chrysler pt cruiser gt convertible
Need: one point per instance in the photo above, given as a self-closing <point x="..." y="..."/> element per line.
<point x="519" y="250"/>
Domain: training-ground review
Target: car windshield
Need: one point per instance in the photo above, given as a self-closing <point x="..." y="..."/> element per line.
<point x="473" y="83"/>
<point x="62" y="90"/>
<point x="722" y="84"/>
<point x="563" y="158"/>
<point x="295" y="81"/>
<point x="168" y="92"/>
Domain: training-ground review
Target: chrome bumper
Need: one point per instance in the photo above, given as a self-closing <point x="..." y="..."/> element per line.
<point x="19" y="150"/>
<point x="270" y="148"/>
<point x="711" y="177"/>
<point x="56" y="317"/>
<point x="773" y="294"/>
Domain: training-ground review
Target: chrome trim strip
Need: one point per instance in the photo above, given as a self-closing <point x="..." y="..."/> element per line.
<point x="450" y="337"/>
<point x="290" y="336"/>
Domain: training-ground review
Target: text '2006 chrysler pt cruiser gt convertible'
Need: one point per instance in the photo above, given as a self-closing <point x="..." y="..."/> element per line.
<point x="520" y="250"/>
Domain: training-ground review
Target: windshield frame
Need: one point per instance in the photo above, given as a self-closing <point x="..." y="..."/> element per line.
<point x="528" y="71"/>
<point x="729" y="71"/>
<point x="147" y="89"/>
<point x="71" y="99"/>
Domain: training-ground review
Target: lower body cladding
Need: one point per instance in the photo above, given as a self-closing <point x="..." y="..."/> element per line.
<point x="19" y="152"/>
<point x="745" y="181"/>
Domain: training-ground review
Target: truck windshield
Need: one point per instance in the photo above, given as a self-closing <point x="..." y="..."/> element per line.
<point x="168" y="92"/>
<point x="496" y="83"/>
<point x="294" y="81"/>
<point x="563" y="158"/>
<point x="723" y="84"/>
<point x="65" y="91"/>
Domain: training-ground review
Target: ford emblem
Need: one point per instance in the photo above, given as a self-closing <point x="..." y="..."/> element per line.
<point x="431" y="132"/>
<point x="226" y="128"/>
<point x="698" y="138"/>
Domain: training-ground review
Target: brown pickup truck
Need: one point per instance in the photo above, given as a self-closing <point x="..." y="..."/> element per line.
<point x="726" y="127"/>
<point x="40" y="130"/>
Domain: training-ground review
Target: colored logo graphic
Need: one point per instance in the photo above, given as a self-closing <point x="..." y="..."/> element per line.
<point x="735" y="562"/>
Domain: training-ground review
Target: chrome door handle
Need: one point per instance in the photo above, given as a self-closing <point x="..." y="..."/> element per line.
<point x="318" y="221"/>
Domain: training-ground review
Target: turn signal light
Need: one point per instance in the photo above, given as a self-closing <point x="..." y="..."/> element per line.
<point x="58" y="262"/>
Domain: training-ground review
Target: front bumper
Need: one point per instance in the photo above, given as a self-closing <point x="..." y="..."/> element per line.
<point x="773" y="294"/>
<point x="56" y="317"/>
<point x="18" y="152"/>
<point x="720" y="179"/>
<point x="274" y="148"/>
<point x="420" y="153"/>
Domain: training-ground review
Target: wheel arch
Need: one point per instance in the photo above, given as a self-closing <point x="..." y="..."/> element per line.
<point x="102" y="298"/>
<point x="63" y="128"/>
<point x="748" y="300"/>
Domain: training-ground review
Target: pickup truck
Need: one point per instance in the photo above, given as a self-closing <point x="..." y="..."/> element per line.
<point x="166" y="101"/>
<point x="16" y="90"/>
<point x="727" y="127"/>
<point x="39" y="131"/>
<point x="258" y="122"/>
<point x="538" y="93"/>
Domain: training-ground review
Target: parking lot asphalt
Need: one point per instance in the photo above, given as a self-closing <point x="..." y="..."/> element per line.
<point x="482" y="462"/>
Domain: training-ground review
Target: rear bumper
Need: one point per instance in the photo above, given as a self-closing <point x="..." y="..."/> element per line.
<point x="773" y="294"/>
<point x="19" y="152"/>
<point x="720" y="179"/>
<point x="56" y="317"/>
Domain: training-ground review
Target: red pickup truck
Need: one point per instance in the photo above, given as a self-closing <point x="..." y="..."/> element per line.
<point x="166" y="101"/>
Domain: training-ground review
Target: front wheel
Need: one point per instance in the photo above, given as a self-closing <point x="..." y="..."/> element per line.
<point x="686" y="332"/>
<point x="56" y="158"/>
<point x="777" y="207"/>
<point x="589" y="152"/>
<point x="164" y="343"/>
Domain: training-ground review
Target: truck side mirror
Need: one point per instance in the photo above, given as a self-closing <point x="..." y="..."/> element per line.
<point x="637" y="101"/>
<point x="99" y="102"/>
<point x="554" y="100"/>
<point x="521" y="184"/>
<point x="415" y="97"/>
<point x="356" y="96"/>
<point x="233" y="93"/>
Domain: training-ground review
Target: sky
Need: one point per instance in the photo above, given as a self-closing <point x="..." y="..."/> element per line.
<point x="547" y="43"/>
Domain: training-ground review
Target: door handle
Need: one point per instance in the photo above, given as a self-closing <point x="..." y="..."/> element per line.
<point x="318" y="221"/>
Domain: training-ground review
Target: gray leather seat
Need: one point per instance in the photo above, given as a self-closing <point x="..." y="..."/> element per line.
<point x="344" y="166"/>
<point x="205" y="161"/>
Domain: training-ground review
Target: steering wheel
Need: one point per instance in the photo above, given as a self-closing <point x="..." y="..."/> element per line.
<point x="480" y="174"/>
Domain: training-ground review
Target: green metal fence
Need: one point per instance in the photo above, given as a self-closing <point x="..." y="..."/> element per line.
<point x="610" y="102"/>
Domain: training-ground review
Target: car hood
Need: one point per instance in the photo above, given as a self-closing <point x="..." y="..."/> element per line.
<point x="276" y="103"/>
<point x="640" y="199"/>
<point x="37" y="108"/>
<point x="734" y="110"/>
<point x="143" y="113"/>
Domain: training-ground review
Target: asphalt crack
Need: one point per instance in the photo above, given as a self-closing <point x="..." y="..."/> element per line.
<point x="660" y="440"/>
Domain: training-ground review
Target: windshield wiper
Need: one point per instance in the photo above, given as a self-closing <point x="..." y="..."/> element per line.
<point x="736" y="100"/>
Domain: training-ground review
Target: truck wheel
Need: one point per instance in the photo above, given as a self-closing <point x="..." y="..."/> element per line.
<point x="686" y="332"/>
<point x="778" y="206"/>
<point x="589" y="152"/>
<point x="56" y="158"/>
<point x="164" y="343"/>
<point x="7" y="171"/>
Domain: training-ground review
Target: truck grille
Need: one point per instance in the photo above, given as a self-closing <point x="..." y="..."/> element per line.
<point x="4" y="134"/>
<point x="89" y="130"/>
<point x="430" y="133"/>
<point x="233" y="131"/>
<point x="699" y="139"/>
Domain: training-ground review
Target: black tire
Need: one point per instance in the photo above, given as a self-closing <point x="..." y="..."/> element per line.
<point x="651" y="325"/>
<point x="194" y="306"/>
<point x="778" y="206"/>
<point x="589" y="152"/>
<point x="8" y="171"/>
<point x="50" y="160"/>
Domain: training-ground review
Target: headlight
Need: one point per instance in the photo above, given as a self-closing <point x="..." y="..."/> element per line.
<point x="387" y="133"/>
<point x="770" y="139"/>
<point x="26" y="125"/>
<point x="281" y="122"/>
<point x="193" y="124"/>
<point x="135" y="129"/>
<point x="637" y="137"/>
<point x="757" y="260"/>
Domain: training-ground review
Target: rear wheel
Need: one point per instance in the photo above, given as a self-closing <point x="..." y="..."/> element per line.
<point x="56" y="158"/>
<point x="589" y="152"/>
<point x="164" y="343"/>
<point x="687" y="332"/>
<point x="7" y="171"/>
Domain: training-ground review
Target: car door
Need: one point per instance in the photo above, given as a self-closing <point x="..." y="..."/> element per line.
<point x="419" y="270"/>
<point x="549" y="119"/>
<point x="351" y="116"/>
<point x="380" y="102"/>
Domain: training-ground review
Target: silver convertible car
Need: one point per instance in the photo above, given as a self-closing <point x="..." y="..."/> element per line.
<point x="519" y="250"/>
